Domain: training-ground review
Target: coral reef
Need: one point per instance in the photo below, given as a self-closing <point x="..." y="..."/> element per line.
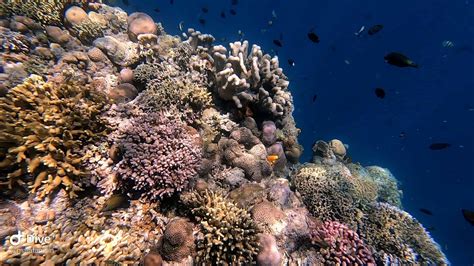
<point x="160" y="155"/>
<point x="42" y="128"/>
<point x="340" y="245"/>
<point x="177" y="241"/>
<point x="228" y="233"/>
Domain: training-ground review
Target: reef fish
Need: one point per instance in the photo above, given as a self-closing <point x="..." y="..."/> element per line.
<point x="439" y="146"/>
<point x="315" y="97"/>
<point x="313" y="37"/>
<point x="116" y="201"/>
<point x="374" y="29"/>
<point x="205" y="9"/>
<point x="234" y="2"/>
<point x="202" y="21"/>
<point x="426" y="211"/>
<point x="399" y="60"/>
<point x="232" y="12"/>
<point x="277" y="43"/>
<point x="222" y="14"/>
<point x="291" y="62"/>
<point x="358" y="33"/>
<point x="272" y="158"/>
<point x="468" y="216"/>
<point x="380" y="93"/>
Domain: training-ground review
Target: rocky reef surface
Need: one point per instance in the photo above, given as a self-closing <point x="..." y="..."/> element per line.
<point x="121" y="144"/>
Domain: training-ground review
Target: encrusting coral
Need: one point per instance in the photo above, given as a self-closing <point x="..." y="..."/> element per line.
<point x="229" y="235"/>
<point x="160" y="155"/>
<point x="42" y="128"/>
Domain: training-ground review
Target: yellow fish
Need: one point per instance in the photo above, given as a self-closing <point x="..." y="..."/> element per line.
<point x="272" y="158"/>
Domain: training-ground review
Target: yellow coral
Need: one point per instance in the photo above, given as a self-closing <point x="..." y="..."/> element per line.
<point x="42" y="126"/>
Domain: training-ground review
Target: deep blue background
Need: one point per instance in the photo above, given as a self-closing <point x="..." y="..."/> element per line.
<point x="432" y="104"/>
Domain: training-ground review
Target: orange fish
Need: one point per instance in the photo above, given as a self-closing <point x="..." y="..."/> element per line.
<point x="272" y="158"/>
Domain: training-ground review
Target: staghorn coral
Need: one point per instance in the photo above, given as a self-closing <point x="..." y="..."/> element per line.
<point x="326" y="191"/>
<point x="177" y="241"/>
<point x="160" y="155"/>
<point x="42" y="128"/>
<point x="395" y="232"/>
<point x="229" y="235"/>
<point x="339" y="245"/>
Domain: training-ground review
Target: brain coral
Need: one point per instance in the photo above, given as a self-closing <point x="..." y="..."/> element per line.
<point x="228" y="233"/>
<point x="340" y="245"/>
<point x="327" y="192"/>
<point x="160" y="155"/>
<point x="42" y="129"/>
<point x="396" y="232"/>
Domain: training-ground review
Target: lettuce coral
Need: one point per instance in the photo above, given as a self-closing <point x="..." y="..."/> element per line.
<point x="160" y="155"/>
<point x="43" y="126"/>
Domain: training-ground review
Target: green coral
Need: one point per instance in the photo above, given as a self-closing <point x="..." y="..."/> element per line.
<point x="326" y="191"/>
<point x="228" y="232"/>
<point x="393" y="231"/>
<point x="42" y="129"/>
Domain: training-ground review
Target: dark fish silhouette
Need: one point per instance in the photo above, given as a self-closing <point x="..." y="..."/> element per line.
<point x="468" y="216"/>
<point x="439" y="146"/>
<point x="202" y="21"/>
<point x="315" y="97"/>
<point x="313" y="37"/>
<point x="116" y="201"/>
<point x="374" y="29"/>
<point x="431" y="228"/>
<point x="291" y="62"/>
<point x="205" y="9"/>
<point x="426" y="211"/>
<point x="125" y="2"/>
<point x="380" y="93"/>
<point x="171" y="2"/>
<point x="232" y="12"/>
<point x="157" y="10"/>
<point x="277" y="43"/>
<point x="234" y="2"/>
<point x="222" y="14"/>
<point x="399" y="60"/>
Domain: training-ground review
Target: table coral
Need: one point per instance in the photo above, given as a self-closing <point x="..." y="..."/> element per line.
<point x="42" y="128"/>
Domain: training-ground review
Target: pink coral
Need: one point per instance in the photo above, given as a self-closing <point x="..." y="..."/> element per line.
<point x="339" y="244"/>
<point x="160" y="155"/>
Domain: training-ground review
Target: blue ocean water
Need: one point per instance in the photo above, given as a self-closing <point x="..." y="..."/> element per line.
<point x="434" y="103"/>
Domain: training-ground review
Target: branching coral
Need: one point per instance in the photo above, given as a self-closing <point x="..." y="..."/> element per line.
<point x="229" y="235"/>
<point x="327" y="192"/>
<point x="340" y="245"/>
<point x="160" y="155"/>
<point x="42" y="129"/>
<point x="396" y="232"/>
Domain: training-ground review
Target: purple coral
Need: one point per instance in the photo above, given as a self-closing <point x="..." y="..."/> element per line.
<point x="340" y="245"/>
<point x="268" y="133"/>
<point x="160" y="155"/>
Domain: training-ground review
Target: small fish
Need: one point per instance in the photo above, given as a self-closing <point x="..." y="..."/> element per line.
<point x="277" y="43"/>
<point x="204" y="9"/>
<point x="202" y="21"/>
<point x="234" y="2"/>
<point x="157" y="10"/>
<point x="222" y="14"/>
<point x="315" y="97"/>
<point x="313" y="37"/>
<point x="125" y="2"/>
<point x="116" y="201"/>
<point x="359" y="31"/>
<point x="181" y="25"/>
<point x="347" y="62"/>
<point x="380" y="93"/>
<point x="374" y="29"/>
<point x="399" y="60"/>
<point x="447" y="44"/>
<point x="232" y="12"/>
<point x="468" y="216"/>
<point x="171" y="2"/>
<point x="272" y="158"/>
<point x="291" y="62"/>
<point x="274" y="15"/>
<point x="270" y="23"/>
<point x="402" y="135"/>
<point x="426" y="211"/>
<point x="439" y="146"/>
<point x="431" y="229"/>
